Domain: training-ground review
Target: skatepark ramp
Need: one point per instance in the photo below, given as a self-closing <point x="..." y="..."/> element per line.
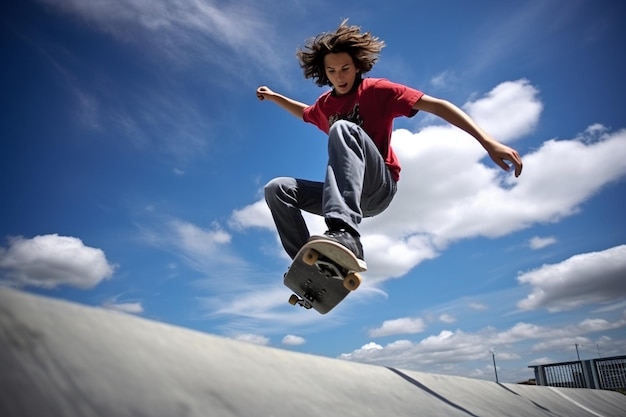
<point x="62" y="359"/>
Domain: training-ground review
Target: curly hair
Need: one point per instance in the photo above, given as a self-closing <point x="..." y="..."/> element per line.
<point x="364" y="48"/>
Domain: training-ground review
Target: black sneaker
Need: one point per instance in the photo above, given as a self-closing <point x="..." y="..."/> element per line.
<point x="348" y="240"/>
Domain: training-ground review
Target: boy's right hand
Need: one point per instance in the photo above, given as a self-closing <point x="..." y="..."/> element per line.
<point x="292" y="106"/>
<point x="263" y="92"/>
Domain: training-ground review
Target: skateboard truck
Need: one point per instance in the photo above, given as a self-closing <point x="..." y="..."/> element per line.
<point x="308" y="298"/>
<point x="351" y="280"/>
<point x="294" y="299"/>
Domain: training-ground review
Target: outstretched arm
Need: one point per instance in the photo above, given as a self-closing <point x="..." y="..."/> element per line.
<point x="292" y="106"/>
<point x="498" y="152"/>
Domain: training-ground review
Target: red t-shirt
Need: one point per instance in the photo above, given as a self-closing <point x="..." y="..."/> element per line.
<point x="373" y="105"/>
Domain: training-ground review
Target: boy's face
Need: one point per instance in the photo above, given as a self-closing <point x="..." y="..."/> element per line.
<point x="341" y="71"/>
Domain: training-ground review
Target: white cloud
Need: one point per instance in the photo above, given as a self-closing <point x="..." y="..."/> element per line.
<point x="49" y="261"/>
<point x="509" y="111"/>
<point x="388" y="257"/>
<point x="448" y="351"/>
<point x="537" y="242"/>
<point x="447" y="318"/>
<point x="551" y="191"/>
<point x="617" y="306"/>
<point x="364" y="350"/>
<point x="445" y="347"/>
<point x="204" y="249"/>
<point x="478" y="306"/>
<point x="594" y="132"/>
<point x="251" y="305"/>
<point x="123" y="307"/>
<point x="254" y="215"/>
<point x="253" y="338"/>
<point x="223" y="34"/>
<point x="292" y="340"/>
<point x="446" y="194"/>
<point x="405" y="325"/>
<point x="594" y="277"/>
<point x="131" y="308"/>
<point x="256" y="301"/>
<point x="540" y="361"/>
<point x="197" y="240"/>
<point x="443" y="79"/>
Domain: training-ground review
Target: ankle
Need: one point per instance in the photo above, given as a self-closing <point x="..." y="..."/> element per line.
<point x="335" y="225"/>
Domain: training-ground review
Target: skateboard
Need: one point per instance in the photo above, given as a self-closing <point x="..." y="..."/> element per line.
<point x="322" y="274"/>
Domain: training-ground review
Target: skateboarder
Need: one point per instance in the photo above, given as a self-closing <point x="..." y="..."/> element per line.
<point x="357" y="115"/>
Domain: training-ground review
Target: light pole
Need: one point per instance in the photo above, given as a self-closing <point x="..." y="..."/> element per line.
<point x="493" y="356"/>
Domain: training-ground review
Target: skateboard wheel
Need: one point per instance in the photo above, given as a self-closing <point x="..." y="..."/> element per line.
<point x="352" y="281"/>
<point x="293" y="299"/>
<point x="310" y="257"/>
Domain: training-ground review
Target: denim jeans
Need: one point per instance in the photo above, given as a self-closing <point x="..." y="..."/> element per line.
<point x="358" y="184"/>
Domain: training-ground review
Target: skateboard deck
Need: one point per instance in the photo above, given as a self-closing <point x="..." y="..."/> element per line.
<point x="322" y="274"/>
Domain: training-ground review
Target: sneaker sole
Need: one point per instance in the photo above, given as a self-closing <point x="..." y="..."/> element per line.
<point x="338" y="253"/>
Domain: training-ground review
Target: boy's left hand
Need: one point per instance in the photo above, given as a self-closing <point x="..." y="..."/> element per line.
<point x="500" y="153"/>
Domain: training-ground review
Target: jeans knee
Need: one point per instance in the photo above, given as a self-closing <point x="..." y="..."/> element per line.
<point x="344" y="134"/>
<point x="276" y="188"/>
<point x="271" y="189"/>
<point x="340" y="129"/>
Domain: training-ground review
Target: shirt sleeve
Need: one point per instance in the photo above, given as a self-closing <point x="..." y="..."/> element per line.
<point x="398" y="99"/>
<point x="314" y="114"/>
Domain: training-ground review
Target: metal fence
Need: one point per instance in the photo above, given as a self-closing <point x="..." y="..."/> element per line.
<point x="603" y="373"/>
<point x="612" y="373"/>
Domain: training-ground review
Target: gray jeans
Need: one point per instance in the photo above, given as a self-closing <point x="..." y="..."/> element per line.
<point x="358" y="184"/>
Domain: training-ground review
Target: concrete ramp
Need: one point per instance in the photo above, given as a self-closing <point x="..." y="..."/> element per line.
<point x="61" y="359"/>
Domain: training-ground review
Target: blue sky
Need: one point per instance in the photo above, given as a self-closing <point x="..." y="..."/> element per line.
<point x="134" y="154"/>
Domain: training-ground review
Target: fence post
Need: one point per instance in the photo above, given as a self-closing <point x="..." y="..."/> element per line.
<point x="540" y="375"/>
<point x="587" y="373"/>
